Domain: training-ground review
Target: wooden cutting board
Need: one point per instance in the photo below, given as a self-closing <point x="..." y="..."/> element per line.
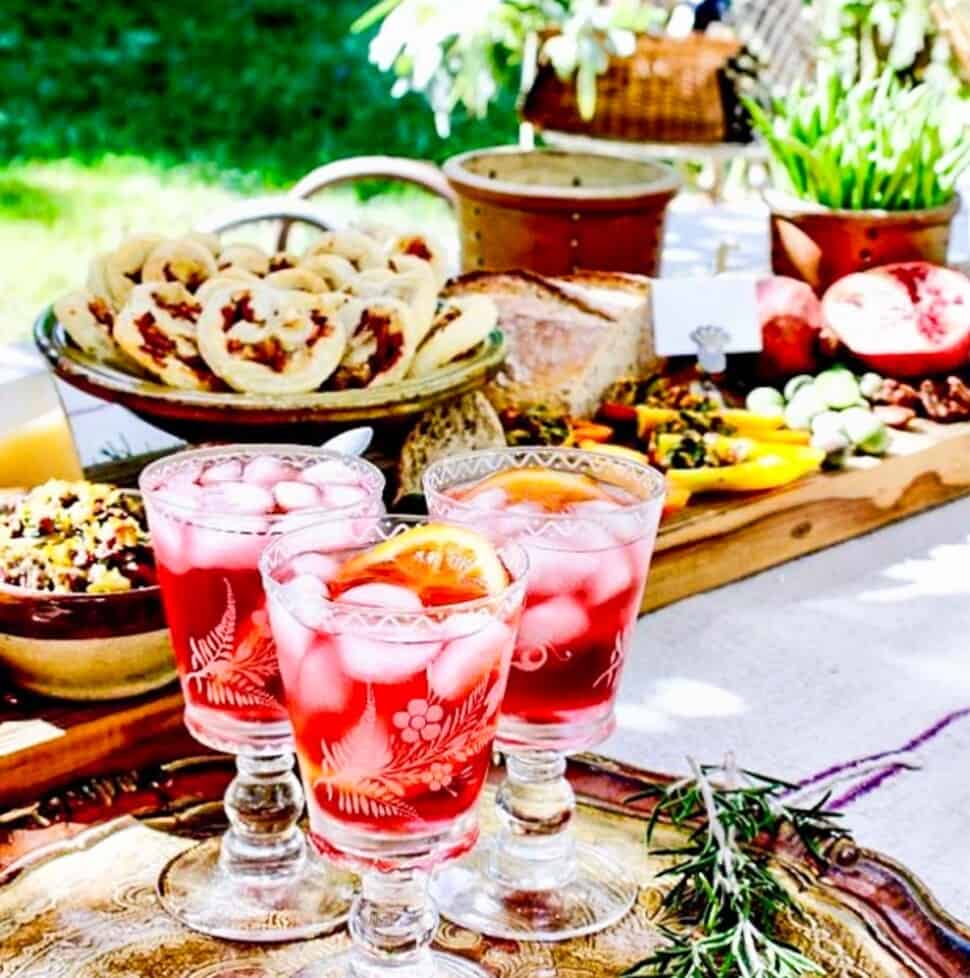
<point x="94" y="738"/>
<point x="720" y="539"/>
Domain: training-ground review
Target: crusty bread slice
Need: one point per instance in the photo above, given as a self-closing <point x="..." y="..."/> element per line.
<point x="567" y="343"/>
<point x="464" y="424"/>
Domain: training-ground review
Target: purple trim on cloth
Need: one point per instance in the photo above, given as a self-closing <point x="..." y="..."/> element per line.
<point x="890" y="771"/>
<point x="869" y="785"/>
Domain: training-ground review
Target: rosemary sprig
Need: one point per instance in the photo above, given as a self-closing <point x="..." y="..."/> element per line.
<point x="726" y="901"/>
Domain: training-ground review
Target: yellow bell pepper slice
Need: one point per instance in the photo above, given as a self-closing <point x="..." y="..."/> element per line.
<point x="784" y="436"/>
<point x="588" y="431"/>
<point x="749" y="422"/>
<point x="676" y="499"/>
<point x="764" y="466"/>
<point x="649" y="418"/>
<point x="743" y="422"/>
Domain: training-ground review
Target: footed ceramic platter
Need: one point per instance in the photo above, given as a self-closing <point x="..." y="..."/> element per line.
<point x="224" y="416"/>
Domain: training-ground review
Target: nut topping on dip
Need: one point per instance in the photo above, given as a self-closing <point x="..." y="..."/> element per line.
<point x="76" y="538"/>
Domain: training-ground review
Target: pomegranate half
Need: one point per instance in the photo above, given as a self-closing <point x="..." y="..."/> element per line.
<point x="906" y="320"/>
<point x="791" y="319"/>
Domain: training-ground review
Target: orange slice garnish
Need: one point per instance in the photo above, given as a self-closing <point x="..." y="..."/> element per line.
<point x="441" y="564"/>
<point x="550" y="488"/>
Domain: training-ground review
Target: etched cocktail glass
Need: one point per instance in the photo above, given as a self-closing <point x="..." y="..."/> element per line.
<point x="588" y="521"/>
<point x="211" y="513"/>
<point x="395" y="655"/>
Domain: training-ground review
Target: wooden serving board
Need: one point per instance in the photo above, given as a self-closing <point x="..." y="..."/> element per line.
<point x="97" y="738"/>
<point x="717" y="540"/>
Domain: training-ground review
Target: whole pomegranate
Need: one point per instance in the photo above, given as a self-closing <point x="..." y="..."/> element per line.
<point x="906" y="320"/>
<point x="791" y="320"/>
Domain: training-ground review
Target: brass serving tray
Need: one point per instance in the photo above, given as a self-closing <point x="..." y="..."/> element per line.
<point x="204" y="414"/>
<point x="77" y="873"/>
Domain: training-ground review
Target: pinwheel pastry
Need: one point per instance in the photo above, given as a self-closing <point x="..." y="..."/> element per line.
<point x="123" y="267"/>
<point x="248" y="257"/>
<point x="182" y="261"/>
<point x="224" y="278"/>
<point x="459" y="328"/>
<point x="360" y="250"/>
<point x="158" y="329"/>
<point x="380" y="345"/>
<point x="263" y="341"/>
<point x="90" y="322"/>
<point x="420" y="246"/>
<point x="211" y="242"/>
<point x="97" y="281"/>
<point x="281" y="260"/>
<point x="298" y="280"/>
<point x="413" y="285"/>
<point x="336" y="272"/>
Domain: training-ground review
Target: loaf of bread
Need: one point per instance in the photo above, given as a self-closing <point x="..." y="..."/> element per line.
<point x="569" y="339"/>
<point x="465" y="424"/>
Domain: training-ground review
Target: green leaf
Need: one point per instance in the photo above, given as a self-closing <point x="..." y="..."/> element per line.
<point x="370" y="17"/>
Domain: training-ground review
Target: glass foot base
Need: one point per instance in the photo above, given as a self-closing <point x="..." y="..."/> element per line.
<point x="195" y="889"/>
<point x="598" y="896"/>
<point x="434" y="966"/>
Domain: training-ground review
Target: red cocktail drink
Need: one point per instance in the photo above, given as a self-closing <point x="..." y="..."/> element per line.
<point x="395" y="661"/>
<point x="588" y="522"/>
<point x="211" y="513"/>
<point x="589" y="542"/>
<point x="211" y="518"/>
<point x="584" y="592"/>
<point x="395" y="655"/>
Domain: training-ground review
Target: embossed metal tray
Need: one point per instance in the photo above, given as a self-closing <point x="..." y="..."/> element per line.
<point x="77" y="874"/>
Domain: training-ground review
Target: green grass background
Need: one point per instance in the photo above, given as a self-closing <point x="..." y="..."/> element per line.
<point x="120" y="115"/>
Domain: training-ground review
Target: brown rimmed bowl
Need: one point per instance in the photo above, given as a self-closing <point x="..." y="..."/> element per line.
<point x="84" y="646"/>
<point x="226" y="416"/>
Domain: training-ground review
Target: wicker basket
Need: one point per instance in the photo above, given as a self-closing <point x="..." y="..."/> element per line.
<point x="672" y="90"/>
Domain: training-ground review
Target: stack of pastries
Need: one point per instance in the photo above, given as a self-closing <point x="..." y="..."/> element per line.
<point x="357" y="309"/>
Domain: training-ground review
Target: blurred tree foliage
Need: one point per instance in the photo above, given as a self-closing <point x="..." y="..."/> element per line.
<point x="242" y="89"/>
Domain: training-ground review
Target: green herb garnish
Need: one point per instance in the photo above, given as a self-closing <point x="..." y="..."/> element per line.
<point x="726" y="902"/>
<point x="866" y="145"/>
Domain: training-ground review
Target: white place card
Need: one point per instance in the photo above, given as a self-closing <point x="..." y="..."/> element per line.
<point x="687" y="311"/>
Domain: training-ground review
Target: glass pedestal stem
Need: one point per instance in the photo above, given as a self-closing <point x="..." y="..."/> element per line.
<point x="535" y="848"/>
<point x="392" y="923"/>
<point x="532" y="880"/>
<point x="258" y="882"/>
<point x="263" y="804"/>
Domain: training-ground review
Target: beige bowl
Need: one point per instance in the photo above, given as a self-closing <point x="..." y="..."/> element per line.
<point x="90" y="669"/>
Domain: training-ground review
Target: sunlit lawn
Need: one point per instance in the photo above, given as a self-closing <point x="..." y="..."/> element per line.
<point x="55" y="216"/>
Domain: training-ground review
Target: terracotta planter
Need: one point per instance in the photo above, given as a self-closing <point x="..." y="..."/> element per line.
<point x="554" y="212"/>
<point x="820" y="246"/>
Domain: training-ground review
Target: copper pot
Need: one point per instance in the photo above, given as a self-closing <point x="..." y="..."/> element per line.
<point x="545" y="211"/>
<point x="552" y="211"/>
<point x="820" y="246"/>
